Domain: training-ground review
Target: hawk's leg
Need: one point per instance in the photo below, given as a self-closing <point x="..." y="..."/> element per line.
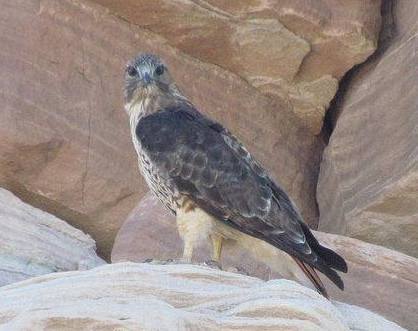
<point x="216" y="251"/>
<point x="187" y="250"/>
<point x="195" y="227"/>
<point x="216" y="247"/>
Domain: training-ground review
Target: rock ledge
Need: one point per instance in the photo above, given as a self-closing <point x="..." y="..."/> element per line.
<point x="129" y="296"/>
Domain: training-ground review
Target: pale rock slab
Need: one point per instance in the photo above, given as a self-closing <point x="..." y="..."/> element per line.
<point x="33" y="243"/>
<point x="379" y="279"/>
<point x="129" y="296"/>
<point x="368" y="185"/>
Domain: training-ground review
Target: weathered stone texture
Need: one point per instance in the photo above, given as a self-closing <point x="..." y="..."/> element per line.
<point x="33" y="243"/>
<point x="382" y="280"/>
<point x="368" y="186"/>
<point x="297" y="50"/>
<point x="130" y="296"/>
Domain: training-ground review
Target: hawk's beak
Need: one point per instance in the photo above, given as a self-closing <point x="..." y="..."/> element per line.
<point x="146" y="78"/>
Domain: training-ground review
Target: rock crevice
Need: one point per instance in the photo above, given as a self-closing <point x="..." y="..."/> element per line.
<point x="369" y="174"/>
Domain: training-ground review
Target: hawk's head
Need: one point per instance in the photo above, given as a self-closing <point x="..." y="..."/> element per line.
<point x="145" y="75"/>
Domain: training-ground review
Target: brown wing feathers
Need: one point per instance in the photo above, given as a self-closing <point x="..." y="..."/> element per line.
<point x="203" y="161"/>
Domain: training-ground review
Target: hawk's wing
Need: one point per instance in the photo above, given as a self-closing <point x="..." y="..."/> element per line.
<point x="211" y="167"/>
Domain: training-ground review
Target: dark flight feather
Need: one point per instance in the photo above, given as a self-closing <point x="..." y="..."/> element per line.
<point x="312" y="276"/>
<point x="200" y="159"/>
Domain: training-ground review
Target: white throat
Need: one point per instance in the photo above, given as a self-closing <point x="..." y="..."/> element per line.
<point x="136" y="111"/>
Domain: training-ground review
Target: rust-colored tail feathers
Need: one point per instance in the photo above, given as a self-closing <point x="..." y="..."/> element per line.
<point x="312" y="276"/>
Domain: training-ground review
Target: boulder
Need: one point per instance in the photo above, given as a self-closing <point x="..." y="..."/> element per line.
<point x="33" y="243"/>
<point x="368" y="185"/>
<point x="64" y="137"/>
<point x="129" y="296"/>
<point x="379" y="279"/>
<point x="297" y="50"/>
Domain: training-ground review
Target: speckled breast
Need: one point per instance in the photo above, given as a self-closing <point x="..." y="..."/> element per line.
<point x="158" y="185"/>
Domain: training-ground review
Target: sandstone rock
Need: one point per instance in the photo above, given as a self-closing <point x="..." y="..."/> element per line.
<point x="132" y="296"/>
<point x="379" y="279"/>
<point x="280" y="46"/>
<point x="34" y="243"/>
<point x="368" y="186"/>
<point x="64" y="137"/>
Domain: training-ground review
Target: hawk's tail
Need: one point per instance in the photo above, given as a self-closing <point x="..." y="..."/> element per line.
<point x="328" y="256"/>
<point x="328" y="261"/>
<point x="312" y="276"/>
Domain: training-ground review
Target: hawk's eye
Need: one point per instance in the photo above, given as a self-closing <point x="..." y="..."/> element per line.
<point x="159" y="70"/>
<point x="131" y="71"/>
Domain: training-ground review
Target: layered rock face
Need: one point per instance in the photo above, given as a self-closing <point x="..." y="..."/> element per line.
<point x="33" y="243"/>
<point x="267" y="70"/>
<point x="176" y="297"/>
<point x="297" y="50"/>
<point x="368" y="186"/>
<point x="65" y="144"/>
<point x="379" y="279"/>
<point x="382" y="280"/>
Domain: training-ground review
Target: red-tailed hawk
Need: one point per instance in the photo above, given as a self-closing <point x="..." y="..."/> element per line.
<point x="207" y="178"/>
